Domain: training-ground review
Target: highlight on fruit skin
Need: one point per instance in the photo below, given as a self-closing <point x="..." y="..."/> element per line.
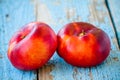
<point x="83" y="44"/>
<point x="32" y="46"/>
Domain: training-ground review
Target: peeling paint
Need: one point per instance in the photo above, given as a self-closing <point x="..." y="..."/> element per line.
<point x="70" y="13"/>
<point x="44" y="72"/>
<point x="54" y="13"/>
<point x="75" y="73"/>
<point x="1" y="56"/>
<point x="115" y="58"/>
<point x="90" y="74"/>
<point x="35" y="7"/>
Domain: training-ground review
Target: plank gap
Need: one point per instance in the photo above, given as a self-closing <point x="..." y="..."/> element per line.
<point x="37" y="74"/>
<point x="35" y="2"/>
<point x="36" y="9"/>
<point x="1" y="56"/>
<point x="113" y="23"/>
<point x="7" y="15"/>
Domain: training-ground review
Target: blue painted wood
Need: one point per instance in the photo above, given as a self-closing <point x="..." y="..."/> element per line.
<point x="59" y="12"/>
<point x="56" y="13"/>
<point x="13" y="15"/>
<point x="109" y="70"/>
<point x="114" y="6"/>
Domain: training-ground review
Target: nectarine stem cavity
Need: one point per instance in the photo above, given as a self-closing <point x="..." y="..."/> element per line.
<point x="23" y="36"/>
<point x="82" y="33"/>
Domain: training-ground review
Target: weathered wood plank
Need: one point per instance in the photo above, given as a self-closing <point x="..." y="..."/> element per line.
<point x="59" y="12"/>
<point x="13" y="15"/>
<point x="56" y="14"/>
<point x="114" y="7"/>
<point x="109" y="70"/>
<point x="59" y="70"/>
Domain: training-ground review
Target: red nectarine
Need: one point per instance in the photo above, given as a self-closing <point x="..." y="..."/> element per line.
<point x="82" y="44"/>
<point x="32" y="46"/>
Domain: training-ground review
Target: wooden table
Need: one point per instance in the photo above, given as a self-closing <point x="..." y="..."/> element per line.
<point x="103" y="13"/>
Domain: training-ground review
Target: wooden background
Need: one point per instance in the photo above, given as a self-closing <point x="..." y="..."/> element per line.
<point x="105" y="14"/>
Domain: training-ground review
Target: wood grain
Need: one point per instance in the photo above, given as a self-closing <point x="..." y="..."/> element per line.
<point x="60" y="70"/>
<point x="13" y="15"/>
<point x="57" y="14"/>
<point x="109" y="70"/>
<point x="114" y="7"/>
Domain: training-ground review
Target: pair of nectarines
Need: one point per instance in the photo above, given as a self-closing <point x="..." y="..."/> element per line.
<point x="78" y="43"/>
